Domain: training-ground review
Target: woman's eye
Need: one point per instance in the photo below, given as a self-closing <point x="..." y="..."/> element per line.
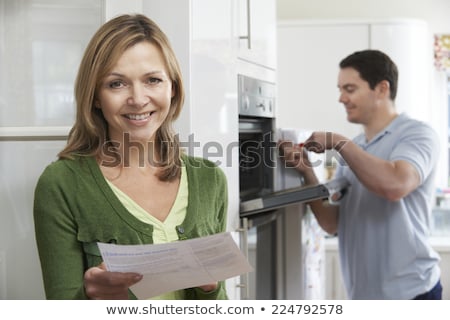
<point x="116" y="84"/>
<point x="154" y="80"/>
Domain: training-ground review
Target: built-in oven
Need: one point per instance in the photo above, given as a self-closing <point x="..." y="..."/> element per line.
<point x="256" y="137"/>
<point x="271" y="218"/>
<point x="257" y="152"/>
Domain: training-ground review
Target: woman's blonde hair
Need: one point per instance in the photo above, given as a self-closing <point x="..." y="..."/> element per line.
<point x="89" y="135"/>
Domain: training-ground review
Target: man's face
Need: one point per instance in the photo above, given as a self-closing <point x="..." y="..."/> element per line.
<point x="356" y="96"/>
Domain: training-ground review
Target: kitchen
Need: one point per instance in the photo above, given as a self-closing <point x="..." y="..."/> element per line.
<point x="44" y="128"/>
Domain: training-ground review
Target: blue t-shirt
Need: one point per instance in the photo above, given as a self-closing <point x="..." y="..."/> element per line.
<point x="383" y="244"/>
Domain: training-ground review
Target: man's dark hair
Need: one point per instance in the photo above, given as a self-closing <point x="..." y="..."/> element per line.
<point x="373" y="66"/>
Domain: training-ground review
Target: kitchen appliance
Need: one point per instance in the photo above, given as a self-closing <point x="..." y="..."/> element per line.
<point x="271" y="211"/>
<point x="331" y="191"/>
<point x="256" y="131"/>
<point x="256" y="102"/>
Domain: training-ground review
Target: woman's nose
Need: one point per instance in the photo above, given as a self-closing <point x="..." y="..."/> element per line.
<point x="139" y="97"/>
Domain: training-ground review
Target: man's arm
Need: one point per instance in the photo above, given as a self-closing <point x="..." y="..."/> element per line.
<point x="391" y="180"/>
<point x="296" y="157"/>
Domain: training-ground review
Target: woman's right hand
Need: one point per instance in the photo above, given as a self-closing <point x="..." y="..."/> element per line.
<point x="102" y="284"/>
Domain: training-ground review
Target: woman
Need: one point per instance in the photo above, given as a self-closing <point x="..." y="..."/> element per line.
<point x="121" y="177"/>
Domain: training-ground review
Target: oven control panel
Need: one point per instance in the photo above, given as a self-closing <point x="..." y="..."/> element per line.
<point x="256" y="97"/>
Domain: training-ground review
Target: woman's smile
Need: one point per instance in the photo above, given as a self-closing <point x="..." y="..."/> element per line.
<point x="140" y="118"/>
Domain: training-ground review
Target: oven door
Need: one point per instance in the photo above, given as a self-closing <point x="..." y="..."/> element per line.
<point x="256" y="157"/>
<point x="271" y="226"/>
<point x="260" y="240"/>
<point x="331" y="191"/>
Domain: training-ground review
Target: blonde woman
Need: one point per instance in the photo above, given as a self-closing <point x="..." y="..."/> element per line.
<point x="122" y="177"/>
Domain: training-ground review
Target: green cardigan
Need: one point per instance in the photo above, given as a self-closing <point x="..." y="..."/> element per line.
<point x="74" y="208"/>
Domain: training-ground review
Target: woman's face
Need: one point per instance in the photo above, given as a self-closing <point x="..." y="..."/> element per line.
<point x="135" y="96"/>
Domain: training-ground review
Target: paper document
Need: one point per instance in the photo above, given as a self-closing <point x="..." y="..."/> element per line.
<point x="177" y="265"/>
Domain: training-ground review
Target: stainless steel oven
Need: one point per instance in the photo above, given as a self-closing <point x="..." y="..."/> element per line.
<point x="256" y="135"/>
<point x="271" y="219"/>
<point x="257" y="151"/>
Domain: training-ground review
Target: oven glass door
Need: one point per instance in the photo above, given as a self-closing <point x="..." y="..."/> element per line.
<point x="256" y="157"/>
<point x="251" y="170"/>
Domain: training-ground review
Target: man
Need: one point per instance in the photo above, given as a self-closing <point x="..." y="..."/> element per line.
<point x="383" y="220"/>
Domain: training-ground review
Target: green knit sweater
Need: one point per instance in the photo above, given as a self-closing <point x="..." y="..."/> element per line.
<point x="74" y="208"/>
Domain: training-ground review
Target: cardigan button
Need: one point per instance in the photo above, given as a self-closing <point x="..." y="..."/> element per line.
<point x="180" y="229"/>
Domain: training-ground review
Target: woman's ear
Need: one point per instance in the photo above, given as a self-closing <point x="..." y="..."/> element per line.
<point x="97" y="104"/>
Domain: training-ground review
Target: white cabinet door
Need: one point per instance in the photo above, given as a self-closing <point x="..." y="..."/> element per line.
<point x="308" y="58"/>
<point x="21" y="163"/>
<point x="308" y="65"/>
<point x="41" y="44"/>
<point x="201" y="33"/>
<point x="257" y="32"/>
<point x="409" y="46"/>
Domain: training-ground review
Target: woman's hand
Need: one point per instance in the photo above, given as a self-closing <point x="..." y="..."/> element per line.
<point x="209" y="287"/>
<point x="102" y="284"/>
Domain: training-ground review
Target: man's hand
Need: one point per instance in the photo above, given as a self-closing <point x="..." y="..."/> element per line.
<point x="294" y="156"/>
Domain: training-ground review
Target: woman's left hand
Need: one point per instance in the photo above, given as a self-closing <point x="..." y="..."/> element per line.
<point x="209" y="287"/>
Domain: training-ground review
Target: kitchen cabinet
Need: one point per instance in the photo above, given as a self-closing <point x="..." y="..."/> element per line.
<point x="257" y="32"/>
<point x="20" y="273"/>
<point x="409" y="44"/>
<point x="41" y="44"/>
<point x="309" y="53"/>
<point x="202" y="35"/>
<point x="201" y="32"/>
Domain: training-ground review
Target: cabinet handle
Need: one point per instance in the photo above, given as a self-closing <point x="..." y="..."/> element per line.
<point x="243" y="230"/>
<point x="249" y="28"/>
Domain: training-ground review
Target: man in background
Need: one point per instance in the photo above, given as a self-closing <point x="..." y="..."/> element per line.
<point x="383" y="221"/>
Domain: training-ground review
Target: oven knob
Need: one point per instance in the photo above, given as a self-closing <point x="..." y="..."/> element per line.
<point x="245" y="103"/>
